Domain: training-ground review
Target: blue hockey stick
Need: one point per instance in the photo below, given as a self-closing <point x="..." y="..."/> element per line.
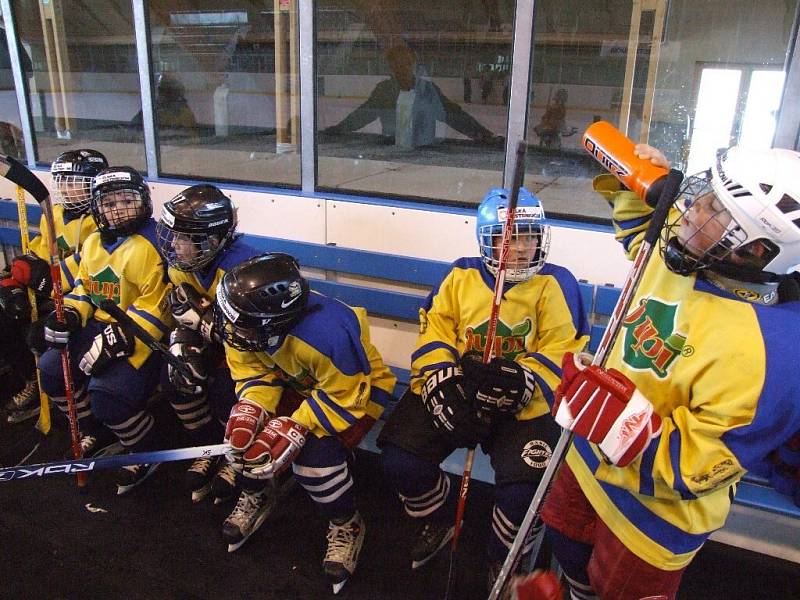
<point x="69" y="467"/>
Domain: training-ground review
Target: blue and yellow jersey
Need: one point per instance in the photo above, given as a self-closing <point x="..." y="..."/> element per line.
<point x="540" y="319"/>
<point x="328" y="358"/>
<point x="130" y="272"/>
<point x="715" y="368"/>
<point x="71" y="233"/>
<point x="206" y="281"/>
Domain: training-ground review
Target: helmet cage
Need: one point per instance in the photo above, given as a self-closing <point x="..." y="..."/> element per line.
<point x="120" y="201"/>
<point x="531" y="241"/>
<point x="713" y="233"/>
<point x="73" y="192"/>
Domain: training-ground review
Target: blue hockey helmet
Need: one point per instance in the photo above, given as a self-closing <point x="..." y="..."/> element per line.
<point x="530" y="240"/>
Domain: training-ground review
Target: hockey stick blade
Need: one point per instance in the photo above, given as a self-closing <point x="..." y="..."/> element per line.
<point x="70" y="467"/>
<point x="148" y="340"/>
<point x="16" y="172"/>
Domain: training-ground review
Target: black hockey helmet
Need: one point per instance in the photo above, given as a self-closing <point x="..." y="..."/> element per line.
<point x="195" y="226"/>
<point x="72" y="173"/>
<point x="120" y="201"/>
<point x="259" y="300"/>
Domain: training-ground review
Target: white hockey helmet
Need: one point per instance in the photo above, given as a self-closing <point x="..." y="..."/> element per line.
<point x="759" y="194"/>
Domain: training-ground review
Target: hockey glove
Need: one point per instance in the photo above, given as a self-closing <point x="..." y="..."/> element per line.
<point x="539" y="585"/>
<point x="444" y="397"/>
<point x="500" y="386"/>
<point x="56" y="333"/>
<point x="109" y="345"/>
<point x="14" y="301"/>
<point x="188" y="347"/>
<point x="605" y="407"/>
<point x="192" y="310"/>
<point x="275" y="448"/>
<point x="33" y="272"/>
<point x="244" y="423"/>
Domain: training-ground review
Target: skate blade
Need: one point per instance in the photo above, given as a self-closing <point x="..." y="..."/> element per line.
<point x="416" y="564"/>
<point x="124" y="489"/>
<point x="259" y="522"/>
<point x="337" y="587"/>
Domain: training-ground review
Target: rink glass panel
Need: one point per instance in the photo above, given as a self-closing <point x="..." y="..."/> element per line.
<point x="84" y="84"/>
<point x="226" y="93"/>
<point x="412" y="97"/>
<point x="686" y="77"/>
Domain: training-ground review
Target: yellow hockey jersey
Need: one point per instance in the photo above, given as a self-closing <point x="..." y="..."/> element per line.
<point x="539" y="321"/>
<point x="71" y="232"/>
<point x="720" y="372"/>
<point x="130" y="272"/>
<point x="328" y="358"/>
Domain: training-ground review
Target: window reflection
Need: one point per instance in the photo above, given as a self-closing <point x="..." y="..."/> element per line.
<point x="412" y="97"/>
<point x="226" y="92"/>
<point x="83" y="82"/>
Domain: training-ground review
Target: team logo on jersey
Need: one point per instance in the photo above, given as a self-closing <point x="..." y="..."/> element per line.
<point x="536" y="454"/>
<point x="651" y="342"/>
<point x="104" y="284"/>
<point x="303" y="382"/>
<point x="64" y="249"/>
<point x="509" y="342"/>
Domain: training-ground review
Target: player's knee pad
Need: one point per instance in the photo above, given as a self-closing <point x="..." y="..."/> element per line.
<point x="51" y="373"/>
<point x="409" y="474"/>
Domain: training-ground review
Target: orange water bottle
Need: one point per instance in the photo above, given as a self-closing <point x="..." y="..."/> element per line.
<point x="615" y="152"/>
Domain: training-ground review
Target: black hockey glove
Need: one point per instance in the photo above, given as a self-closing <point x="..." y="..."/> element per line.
<point x="109" y="345"/>
<point x="14" y="302"/>
<point x="192" y="310"/>
<point x="33" y="272"/>
<point x="188" y="347"/>
<point x="444" y="397"/>
<point x="56" y="333"/>
<point x="501" y="386"/>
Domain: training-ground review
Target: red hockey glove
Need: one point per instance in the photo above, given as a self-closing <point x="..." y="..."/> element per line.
<point x="275" y="448"/>
<point x="605" y="407"/>
<point x="244" y="423"/>
<point x="539" y="585"/>
<point x="33" y="272"/>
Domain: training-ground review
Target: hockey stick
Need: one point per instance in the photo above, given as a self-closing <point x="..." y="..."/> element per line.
<point x="657" y="219"/>
<point x="67" y="467"/>
<point x="148" y="340"/>
<point x="488" y="350"/>
<point x="16" y="172"/>
<point x="43" y="424"/>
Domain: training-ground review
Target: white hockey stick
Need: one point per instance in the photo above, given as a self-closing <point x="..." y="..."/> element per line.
<point x="659" y="216"/>
<point x="68" y="467"/>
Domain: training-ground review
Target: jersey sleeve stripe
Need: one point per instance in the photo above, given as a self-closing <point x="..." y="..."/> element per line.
<point x="150" y="319"/>
<point x="86" y="299"/>
<point x="322" y="418"/>
<point x="429" y="347"/>
<point x="627" y="224"/>
<point x="256" y="377"/>
<point x="546" y="362"/>
<point x="340" y="411"/>
<point x="546" y="391"/>
<point x="67" y="275"/>
<point x="252" y="384"/>
<point x="646" y="483"/>
<point x="679" y="484"/>
<point x="653" y="526"/>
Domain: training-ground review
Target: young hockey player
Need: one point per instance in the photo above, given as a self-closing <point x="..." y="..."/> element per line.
<point x="456" y="401"/>
<point x="72" y="174"/>
<point x="116" y="373"/>
<point x="280" y="335"/>
<point x="197" y="235"/>
<point x="699" y="387"/>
